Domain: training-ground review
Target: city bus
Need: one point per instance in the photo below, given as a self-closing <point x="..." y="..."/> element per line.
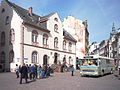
<point x="96" y="65"/>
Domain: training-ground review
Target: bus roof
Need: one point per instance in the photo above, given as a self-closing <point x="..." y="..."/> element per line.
<point x="96" y="57"/>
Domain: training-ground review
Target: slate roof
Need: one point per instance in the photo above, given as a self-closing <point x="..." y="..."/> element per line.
<point x="29" y="19"/>
<point x="68" y="36"/>
<point x="33" y="19"/>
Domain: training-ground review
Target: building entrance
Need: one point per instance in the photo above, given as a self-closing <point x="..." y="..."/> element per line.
<point x="45" y="60"/>
<point x="55" y="58"/>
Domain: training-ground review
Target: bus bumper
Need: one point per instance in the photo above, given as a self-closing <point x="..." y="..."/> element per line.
<point x="89" y="74"/>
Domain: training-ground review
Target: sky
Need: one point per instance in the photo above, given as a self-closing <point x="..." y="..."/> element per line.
<point x="100" y="14"/>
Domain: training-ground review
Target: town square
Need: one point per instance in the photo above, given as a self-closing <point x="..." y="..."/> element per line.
<point x="59" y="45"/>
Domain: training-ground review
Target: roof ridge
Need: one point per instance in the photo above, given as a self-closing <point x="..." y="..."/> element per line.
<point x="24" y="14"/>
<point x="47" y="16"/>
<point x="14" y="6"/>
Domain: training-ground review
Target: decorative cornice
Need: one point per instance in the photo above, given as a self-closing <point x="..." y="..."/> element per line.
<point x="48" y="48"/>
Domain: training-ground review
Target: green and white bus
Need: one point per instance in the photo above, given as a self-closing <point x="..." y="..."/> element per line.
<point x="96" y="65"/>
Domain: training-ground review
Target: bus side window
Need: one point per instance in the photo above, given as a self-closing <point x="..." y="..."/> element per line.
<point x="107" y="61"/>
<point x="95" y="62"/>
<point x="99" y="62"/>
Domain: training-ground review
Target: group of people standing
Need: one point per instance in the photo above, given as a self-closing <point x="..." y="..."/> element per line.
<point x="32" y="72"/>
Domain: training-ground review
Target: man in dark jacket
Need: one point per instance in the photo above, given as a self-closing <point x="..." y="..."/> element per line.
<point x="32" y="72"/>
<point x="24" y="73"/>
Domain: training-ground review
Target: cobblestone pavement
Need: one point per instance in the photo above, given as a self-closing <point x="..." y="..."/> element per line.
<point x="62" y="81"/>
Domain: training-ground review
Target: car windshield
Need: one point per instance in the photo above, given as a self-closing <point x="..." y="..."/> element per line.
<point x="90" y="62"/>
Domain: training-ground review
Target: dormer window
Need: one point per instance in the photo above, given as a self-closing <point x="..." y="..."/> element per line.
<point x="56" y="28"/>
<point x="56" y="19"/>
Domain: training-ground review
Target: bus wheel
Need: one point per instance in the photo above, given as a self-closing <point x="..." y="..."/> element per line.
<point x="81" y="75"/>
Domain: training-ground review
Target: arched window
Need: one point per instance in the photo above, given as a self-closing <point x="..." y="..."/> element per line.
<point x="56" y="28"/>
<point x="64" y="44"/>
<point x="7" y="20"/>
<point x="34" y="36"/>
<point x="70" y="46"/>
<point x="12" y="36"/>
<point x="34" y="57"/>
<point x="56" y="19"/>
<point x="11" y="56"/>
<point x="2" y="38"/>
<point x="2" y="57"/>
<point x="56" y="42"/>
<point x="45" y="39"/>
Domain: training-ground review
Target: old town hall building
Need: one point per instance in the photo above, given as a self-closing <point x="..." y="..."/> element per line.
<point x="28" y="38"/>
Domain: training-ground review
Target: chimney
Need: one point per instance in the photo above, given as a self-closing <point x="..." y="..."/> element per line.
<point x="30" y="10"/>
<point x="85" y="23"/>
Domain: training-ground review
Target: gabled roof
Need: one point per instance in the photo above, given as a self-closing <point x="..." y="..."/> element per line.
<point x="27" y="18"/>
<point x="68" y="36"/>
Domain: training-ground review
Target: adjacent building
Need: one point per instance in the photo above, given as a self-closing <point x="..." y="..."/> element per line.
<point x="78" y="29"/>
<point x="94" y="49"/>
<point x="29" y="38"/>
<point x="103" y="48"/>
<point x="114" y="44"/>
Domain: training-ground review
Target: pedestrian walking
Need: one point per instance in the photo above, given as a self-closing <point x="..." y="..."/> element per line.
<point x="38" y="71"/>
<point x="24" y="73"/>
<point x="43" y="72"/>
<point x="17" y="71"/>
<point x="29" y="70"/>
<point x="72" y="70"/>
<point x="119" y="69"/>
<point x="32" y="72"/>
<point x="35" y="70"/>
<point x="48" y="71"/>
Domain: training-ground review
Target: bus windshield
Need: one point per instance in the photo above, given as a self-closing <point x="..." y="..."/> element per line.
<point x="90" y="62"/>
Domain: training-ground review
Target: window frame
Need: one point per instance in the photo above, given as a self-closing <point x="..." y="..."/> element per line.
<point x="3" y="38"/>
<point x="34" y="37"/>
<point x="56" y="28"/>
<point x="2" y="56"/>
<point x="55" y="42"/>
<point x="7" y="20"/>
<point x="70" y="46"/>
<point x="12" y="36"/>
<point x="11" y="53"/>
<point x="64" y="45"/>
<point x="35" y="57"/>
<point x="45" y="39"/>
<point x="56" y="19"/>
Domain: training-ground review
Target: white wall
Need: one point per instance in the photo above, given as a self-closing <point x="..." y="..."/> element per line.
<point x="14" y="23"/>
